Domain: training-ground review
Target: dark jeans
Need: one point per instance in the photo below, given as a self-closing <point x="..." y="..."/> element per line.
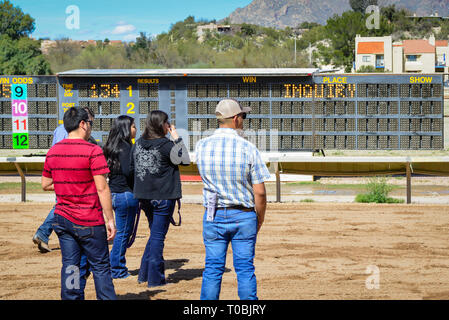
<point x="152" y="267"/>
<point x="44" y="232"/>
<point x="125" y="207"/>
<point x="74" y="240"/>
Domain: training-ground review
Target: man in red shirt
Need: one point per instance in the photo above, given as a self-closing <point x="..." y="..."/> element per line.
<point x="76" y="170"/>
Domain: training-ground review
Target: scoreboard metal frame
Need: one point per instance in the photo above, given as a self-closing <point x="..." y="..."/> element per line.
<point x="292" y="109"/>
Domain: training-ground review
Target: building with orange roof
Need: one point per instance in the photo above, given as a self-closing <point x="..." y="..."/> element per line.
<point x="375" y="52"/>
<point x="421" y="55"/>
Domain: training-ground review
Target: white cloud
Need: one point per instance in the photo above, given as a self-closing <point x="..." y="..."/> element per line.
<point x="130" y="37"/>
<point x="123" y="28"/>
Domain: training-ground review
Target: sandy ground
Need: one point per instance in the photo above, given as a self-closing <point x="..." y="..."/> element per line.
<point x="304" y="251"/>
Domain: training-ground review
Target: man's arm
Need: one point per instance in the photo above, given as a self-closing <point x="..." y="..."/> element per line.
<point x="106" y="203"/>
<point x="260" y="199"/>
<point x="47" y="184"/>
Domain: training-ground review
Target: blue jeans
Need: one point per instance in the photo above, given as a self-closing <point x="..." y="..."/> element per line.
<point x="239" y="228"/>
<point x="75" y="239"/>
<point x="46" y="228"/>
<point x="44" y="232"/>
<point x="126" y="208"/>
<point x="152" y="266"/>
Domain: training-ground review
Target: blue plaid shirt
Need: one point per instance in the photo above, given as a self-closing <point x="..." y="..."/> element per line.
<point x="229" y="165"/>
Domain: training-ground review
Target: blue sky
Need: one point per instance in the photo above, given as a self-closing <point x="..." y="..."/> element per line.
<point x="118" y="19"/>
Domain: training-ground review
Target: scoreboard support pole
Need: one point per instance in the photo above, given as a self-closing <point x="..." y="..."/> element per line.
<point x="408" y="173"/>
<point x="23" y="180"/>
<point x="278" y="183"/>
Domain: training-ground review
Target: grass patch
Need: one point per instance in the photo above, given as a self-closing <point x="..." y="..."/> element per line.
<point x="307" y="200"/>
<point x="335" y="185"/>
<point x="368" y="198"/>
<point x="304" y="183"/>
<point x="16" y="187"/>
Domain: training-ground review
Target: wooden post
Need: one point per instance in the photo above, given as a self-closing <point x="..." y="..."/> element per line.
<point x="278" y="183"/>
<point x="24" y="184"/>
<point x="409" y="182"/>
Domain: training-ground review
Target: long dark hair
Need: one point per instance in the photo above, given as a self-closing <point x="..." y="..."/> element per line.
<point x="154" y="125"/>
<point x="120" y="132"/>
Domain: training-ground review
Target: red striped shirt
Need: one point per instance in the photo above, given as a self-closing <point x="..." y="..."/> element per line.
<point x="72" y="164"/>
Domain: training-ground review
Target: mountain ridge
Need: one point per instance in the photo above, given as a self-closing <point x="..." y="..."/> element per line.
<point x="290" y="13"/>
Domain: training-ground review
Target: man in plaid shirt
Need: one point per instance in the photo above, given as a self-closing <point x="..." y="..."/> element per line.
<point x="234" y="195"/>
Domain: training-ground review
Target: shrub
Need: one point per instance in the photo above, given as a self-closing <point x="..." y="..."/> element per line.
<point x="378" y="191"/>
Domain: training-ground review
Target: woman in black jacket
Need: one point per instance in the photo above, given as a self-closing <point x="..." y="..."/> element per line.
<point x="157" y="185"/>
<point x="125" y="205"/>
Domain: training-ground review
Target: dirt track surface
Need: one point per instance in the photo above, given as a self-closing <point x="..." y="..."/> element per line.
<point x="304" y="251"/>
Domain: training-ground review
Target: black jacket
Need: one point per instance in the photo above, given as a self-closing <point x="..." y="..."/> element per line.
<point x="155" y="166"/>
<point x="122" y="179"/>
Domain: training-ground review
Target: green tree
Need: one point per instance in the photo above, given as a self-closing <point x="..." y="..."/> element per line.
<point x="13" y="22"/>
<point x="22" y="56"/>
<point x="142" y="42"/>
<point x="247" y="30"/>
<point x="18" y="53"/>
<point x="184" y="29"/>
<point x="62" y="56"/>
<point x="342" y="30"/>
<point x="361" y="5"/>
<point x="308" y="25"/>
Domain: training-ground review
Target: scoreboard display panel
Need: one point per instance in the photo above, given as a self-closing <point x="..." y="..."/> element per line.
<point x="292" y="109"/>
<point x="28" y="111"/>
<point x="379" y="112"/>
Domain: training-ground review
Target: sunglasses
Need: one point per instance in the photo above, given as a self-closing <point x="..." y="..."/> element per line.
<point x="90" y="122"/>
<point x="243" y="115"/>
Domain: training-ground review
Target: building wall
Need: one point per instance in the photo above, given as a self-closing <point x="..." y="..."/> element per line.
<point x="388" y="53"/>
<point x="425" y="63"/>
<point x="398" y="59"/>
<point x="440" y="52"/>
<point x="359" y="61"/>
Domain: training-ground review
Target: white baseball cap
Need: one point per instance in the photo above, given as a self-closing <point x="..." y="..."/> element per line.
<point x="228" y="108"/>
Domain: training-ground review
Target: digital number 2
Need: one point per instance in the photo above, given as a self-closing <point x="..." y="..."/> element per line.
<point x="130" y="106"/>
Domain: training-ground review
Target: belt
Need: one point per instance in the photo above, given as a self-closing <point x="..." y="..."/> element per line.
<point x="242" y="208"/>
